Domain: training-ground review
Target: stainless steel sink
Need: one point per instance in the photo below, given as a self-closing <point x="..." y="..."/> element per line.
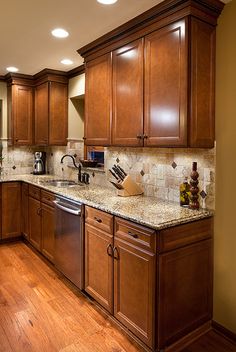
<point x="62" y="183"/>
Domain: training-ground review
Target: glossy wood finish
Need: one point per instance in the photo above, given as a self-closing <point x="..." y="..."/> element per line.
<point x="35" y="236"/>
<point x="48" y="231"/>
<point x="58" y="113"/>
<point x="42" y="311"/>
<point x="47" y="197"/>
<point x="134" y="289"/>
<point x="165" y="120"/>
<point x="99" y="266"/>
<point x="185" y="291"/>
<point x="41" y="122"/>
<point x="35" y="192"/>
<point x="11" y="209"/>
<point x="98" y="101"/>
<point x="21" y="114"/>
<point x="127" y="73"/>
<point x="202" y="125"/>
<point x="25" y="210"/>
<point x="99" y="219"/>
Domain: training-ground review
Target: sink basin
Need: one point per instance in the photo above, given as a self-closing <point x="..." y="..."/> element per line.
<point x="62" y="183"/>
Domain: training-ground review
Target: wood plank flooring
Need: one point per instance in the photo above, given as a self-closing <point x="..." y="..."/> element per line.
<point x="41" y="312"/>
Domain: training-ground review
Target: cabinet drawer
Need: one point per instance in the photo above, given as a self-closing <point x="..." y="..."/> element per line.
<point x="99" y="219"/>
<point x="47" y="197"/>
<point x="139" y="235"/>
<point x="34" y="192"/>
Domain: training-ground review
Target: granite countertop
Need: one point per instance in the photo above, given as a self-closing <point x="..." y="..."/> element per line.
<point x="149" y="211"/>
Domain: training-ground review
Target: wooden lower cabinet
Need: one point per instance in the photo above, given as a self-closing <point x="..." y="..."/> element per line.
<point x="99" y="266"/>
<point x="11" y="209"/>
<point x="25" y="210"/>
<point x="134" y="289"/>
<point x="35" y="237"/>
<point x="48" y="228"/>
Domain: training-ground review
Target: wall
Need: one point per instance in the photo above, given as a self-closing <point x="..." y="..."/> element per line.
<point x="3" y="97"/>
<point x="225" y="219"/>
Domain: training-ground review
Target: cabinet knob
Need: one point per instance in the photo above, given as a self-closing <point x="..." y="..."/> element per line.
<point x="84" y="138"/>
<point x="145" y="136"/>
<point x="134" y="235"/>
<point x="139" y="136"/>
<point x="97" y="219"/>
<point x="16" y="140"/>
<point x="110" y="250"/>
<point x="115" y="253"/>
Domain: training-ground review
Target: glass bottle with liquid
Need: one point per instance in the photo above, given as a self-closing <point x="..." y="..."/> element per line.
<point x="184" y="190"/>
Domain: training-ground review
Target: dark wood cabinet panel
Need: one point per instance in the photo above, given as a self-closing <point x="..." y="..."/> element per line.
<point x="21" y="114"/>
<point x="41" y="122"/>
<point x="25" y="209"/>
<point x="99" y="266"/>
<point x="134" y="289"/>
<point x="11" y="209"/>
<point x="166" y="60"/>
<point x="98" y="105"/>
<point x="185" y="291"/>
<point x="48" y="229"/>
<point x="35" y="237"/>
<point x="127" y="119"/>
<point x="58" y="113"/>
<point x="202" y="104"/>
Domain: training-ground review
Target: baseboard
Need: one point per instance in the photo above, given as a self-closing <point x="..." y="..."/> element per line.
<point x="223" y="331"/>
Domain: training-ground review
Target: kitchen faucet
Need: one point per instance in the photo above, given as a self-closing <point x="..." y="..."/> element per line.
<point x="83" y="177"/>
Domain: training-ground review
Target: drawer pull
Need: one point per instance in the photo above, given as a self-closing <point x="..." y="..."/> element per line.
<point x="134" y="235"/>
<point x="97" y="219"/>
<point x="110" y="250"/>
<point x="115" y="253"/>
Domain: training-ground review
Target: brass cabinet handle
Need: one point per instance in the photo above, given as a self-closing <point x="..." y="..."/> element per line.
<point x="110" y="250"/>
<point x="139" y="136"/>
<point x="134" y="235"/>
<point x="145" y="136"/>
<point x="97" y="219"/>
<point x="115" y="253"/>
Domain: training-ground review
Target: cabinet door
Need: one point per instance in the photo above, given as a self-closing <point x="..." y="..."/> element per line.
<point x="22" y="114"/>
<point x="185" y="289"/>
<point x="202" y="115"/>
<point x="11" y="209"/>
<point x="48" y="229"/>
<point x="99" y="266"/>
<point x="25" y="209"/>
<point x="165" y="122"/>
<point x="41" y="114"/>
<point x="127" y="117"/>
<point x="98" y="101"/>
<point x="35" y="223"/>
<point x="58" y="113"/>
<point x="134" y="289"/>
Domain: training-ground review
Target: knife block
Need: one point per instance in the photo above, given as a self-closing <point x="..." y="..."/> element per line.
<point x="130" y="188"/>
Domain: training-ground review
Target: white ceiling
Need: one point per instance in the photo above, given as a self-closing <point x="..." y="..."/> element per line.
<point x="25" y="28"/>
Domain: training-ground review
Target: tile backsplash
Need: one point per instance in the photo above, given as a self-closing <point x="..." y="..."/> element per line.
<point x="159" y="171"/>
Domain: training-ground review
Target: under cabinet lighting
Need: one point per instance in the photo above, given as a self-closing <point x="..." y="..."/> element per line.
<point x="107" y="2"/>
<point x="66" y="62"/>
<point x="12" y="69"/>
<point x="60" y="33"/>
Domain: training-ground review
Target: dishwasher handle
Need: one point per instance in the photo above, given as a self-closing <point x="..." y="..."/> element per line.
<point x="66" y="208"/>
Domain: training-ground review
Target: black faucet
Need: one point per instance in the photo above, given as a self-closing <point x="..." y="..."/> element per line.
<point x="82" y="177"/>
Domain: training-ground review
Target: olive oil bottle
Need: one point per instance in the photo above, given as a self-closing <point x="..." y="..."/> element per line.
<point x="184" y="189"/>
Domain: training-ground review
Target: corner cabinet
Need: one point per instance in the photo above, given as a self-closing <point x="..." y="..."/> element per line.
<point x="163" y="76"/>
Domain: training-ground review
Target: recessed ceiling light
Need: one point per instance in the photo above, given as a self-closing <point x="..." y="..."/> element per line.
<point x="12" y="69"/>
<point x="107" y="2"/>
<point x="66" y="62"/>
<point x="60" y="33"/>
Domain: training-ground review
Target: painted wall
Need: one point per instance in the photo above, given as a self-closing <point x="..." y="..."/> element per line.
<point x="225" y="220"/>
<point x="76" y="107"/>
<point x="3" y="97"/>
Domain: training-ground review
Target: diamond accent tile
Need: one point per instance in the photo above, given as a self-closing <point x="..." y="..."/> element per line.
<point x="117" y="160"/>
<point x="203" y="194"/>
<point x="174" y="165"/>
<point x="142" y="172"/>
<point x="93" y="174"/>
<point x="14" y="167"/>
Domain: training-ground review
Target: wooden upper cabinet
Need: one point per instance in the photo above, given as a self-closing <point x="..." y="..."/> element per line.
<point x="20" y="114"/>
<point x="41" y="114"/>
<point x="11" y="209"/>
<point x="202" y="102"/>
<point x="127" y="119"/>
<point x="58" y="113"/>
<point x="165" y="120"/>
<point x="98" y="101"/>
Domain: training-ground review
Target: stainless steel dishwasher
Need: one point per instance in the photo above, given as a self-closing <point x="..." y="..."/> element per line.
<point x="69" y="239"/>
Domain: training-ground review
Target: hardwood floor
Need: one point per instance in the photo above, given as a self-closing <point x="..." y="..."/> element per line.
<point x="40" y="311"/>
